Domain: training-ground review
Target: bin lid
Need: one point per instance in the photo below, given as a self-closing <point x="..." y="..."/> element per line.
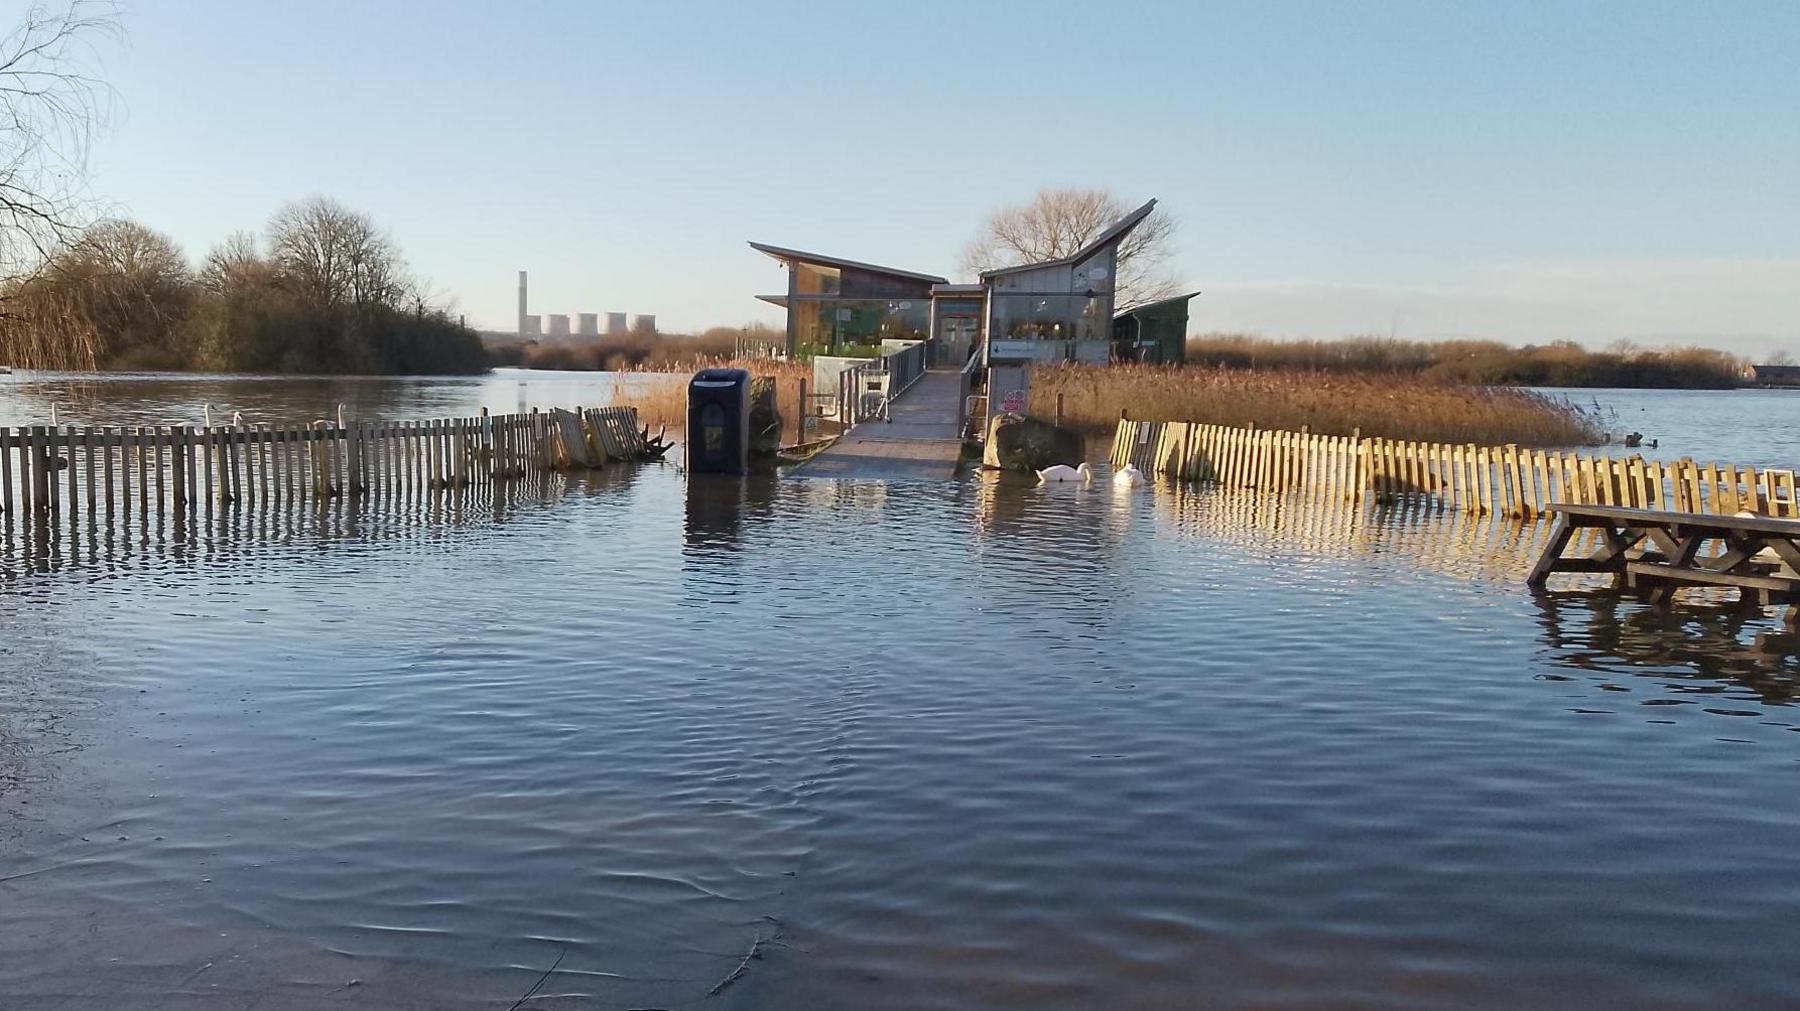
<point x="720" y="378"/>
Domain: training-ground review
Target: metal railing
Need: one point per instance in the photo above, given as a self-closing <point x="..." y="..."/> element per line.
<point x="865" y="391"/>
<point x="965" y="410"/>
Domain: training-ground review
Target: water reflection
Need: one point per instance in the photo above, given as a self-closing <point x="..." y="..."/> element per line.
<point x="1494" y="548"/>
<point x="1688" y="642"/>
<point x="957" y="746"/>
<point x="214" y="531"/>
<point x="26" y="398"/>
<point x="718" y="506"/>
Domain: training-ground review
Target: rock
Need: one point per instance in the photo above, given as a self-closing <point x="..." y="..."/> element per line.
<point x="765" y="419"/>
<point x="1015" y="442"/>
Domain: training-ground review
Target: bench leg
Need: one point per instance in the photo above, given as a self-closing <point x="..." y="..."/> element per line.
<point x="1553" y="549"/>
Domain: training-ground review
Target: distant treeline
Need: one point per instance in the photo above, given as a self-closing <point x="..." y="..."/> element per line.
<point x="325" y="291"/>
<point x="1485" y="363"/>
<point x="639" y="350"/>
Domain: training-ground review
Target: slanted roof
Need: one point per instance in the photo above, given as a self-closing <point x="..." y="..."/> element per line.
<point x="1118" y="231"/>
<point x="1159" y="303"/>
<point x="785" y="254"/>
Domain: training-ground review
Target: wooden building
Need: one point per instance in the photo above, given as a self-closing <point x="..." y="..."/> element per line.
<point x="833" y="303"/>
<point x="1057" y="310"/>
<point x="1775" y="375"/>
<point x="1154" y="333"/>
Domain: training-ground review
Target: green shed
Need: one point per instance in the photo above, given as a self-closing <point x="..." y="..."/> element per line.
<point x="1154" y="333"/>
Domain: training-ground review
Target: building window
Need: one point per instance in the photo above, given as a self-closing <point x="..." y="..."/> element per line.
<point x="811" y="279"/>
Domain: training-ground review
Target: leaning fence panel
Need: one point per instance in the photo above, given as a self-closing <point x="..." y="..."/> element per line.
<point x="1498" y="480"/>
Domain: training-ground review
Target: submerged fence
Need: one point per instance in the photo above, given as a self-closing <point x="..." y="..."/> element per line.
<point x="1505" y="480"/>
<point x="153" y="470"/>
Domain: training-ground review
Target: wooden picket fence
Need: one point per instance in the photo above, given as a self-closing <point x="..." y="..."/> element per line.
<point x="153" y="470"/>
<point x="1502" y="480"/>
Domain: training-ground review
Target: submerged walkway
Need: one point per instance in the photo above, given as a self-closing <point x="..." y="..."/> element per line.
<point x="921" y="443"/>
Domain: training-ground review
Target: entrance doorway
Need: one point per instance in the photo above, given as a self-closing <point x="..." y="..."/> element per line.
<point x="957" y="335"/>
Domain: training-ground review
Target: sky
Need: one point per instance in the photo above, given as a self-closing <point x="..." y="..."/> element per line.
<point x="1522" y="171"/>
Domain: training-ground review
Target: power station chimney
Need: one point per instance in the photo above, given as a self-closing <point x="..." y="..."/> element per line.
<point x="521" y="303"/>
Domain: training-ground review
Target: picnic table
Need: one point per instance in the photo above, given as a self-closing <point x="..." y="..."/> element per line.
<point x="1659" y="552"/>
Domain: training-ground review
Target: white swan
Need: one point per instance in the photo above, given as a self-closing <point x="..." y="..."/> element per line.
<point x="1129" y="477"/>
<point x="1766" y="554"/>
<point x="1062" y="472"/>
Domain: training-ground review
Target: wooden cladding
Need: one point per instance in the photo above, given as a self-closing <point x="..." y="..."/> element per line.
<point x="1503" y="480"/>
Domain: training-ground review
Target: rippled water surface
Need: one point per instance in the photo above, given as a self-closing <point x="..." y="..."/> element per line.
<point x="792" y="744"/>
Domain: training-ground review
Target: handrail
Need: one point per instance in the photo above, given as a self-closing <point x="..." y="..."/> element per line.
<point x="967" y="381"/>
<point x="902" y="367"/>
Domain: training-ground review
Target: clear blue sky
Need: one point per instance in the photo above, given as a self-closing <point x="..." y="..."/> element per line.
<point x="1519" y="170"/>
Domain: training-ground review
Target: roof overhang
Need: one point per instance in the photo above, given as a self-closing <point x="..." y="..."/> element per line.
<point x="1159" y="303"/>
<point x="787" y="255"/>
<point x="1114" y="234"/>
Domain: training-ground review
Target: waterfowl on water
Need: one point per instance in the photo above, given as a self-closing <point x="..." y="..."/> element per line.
<point x="1063" y="472"/>
<point x="1766" y="554"/>
<point x="1129" y="477"/>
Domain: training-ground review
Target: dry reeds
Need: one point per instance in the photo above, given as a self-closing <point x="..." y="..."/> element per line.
<point x="1488" y="363"/>
<point x="661" y="396"/>
<point x="1389" y="406"/>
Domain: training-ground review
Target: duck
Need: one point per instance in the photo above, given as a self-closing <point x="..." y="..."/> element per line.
<point x="1129" y="477"/>
<point x="1063" y="472"/>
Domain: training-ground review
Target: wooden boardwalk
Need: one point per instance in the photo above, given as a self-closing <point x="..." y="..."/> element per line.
<point x="922" y="442"/>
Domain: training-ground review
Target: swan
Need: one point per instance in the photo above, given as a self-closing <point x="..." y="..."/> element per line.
<point x="1063" y="472"/>
<point x="1766" y="554"/>
<point x="1129" y="477"/>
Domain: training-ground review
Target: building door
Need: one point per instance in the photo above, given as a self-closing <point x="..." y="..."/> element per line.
<point x="958" y="335"/>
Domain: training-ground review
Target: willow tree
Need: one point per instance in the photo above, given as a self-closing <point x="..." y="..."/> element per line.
<point x="51" y="105"/>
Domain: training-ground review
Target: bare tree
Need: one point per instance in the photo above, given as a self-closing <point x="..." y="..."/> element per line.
<point x="336" y="257"/>
<point x="51" y="105"/>
<point x="1058" y="222"/>
<point x="233" y="265"/>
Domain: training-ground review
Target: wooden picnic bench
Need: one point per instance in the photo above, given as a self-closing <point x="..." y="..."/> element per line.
<point x="1659" y="552"/>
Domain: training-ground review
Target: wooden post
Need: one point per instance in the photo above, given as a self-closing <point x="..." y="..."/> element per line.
<point x="6" y="475"/>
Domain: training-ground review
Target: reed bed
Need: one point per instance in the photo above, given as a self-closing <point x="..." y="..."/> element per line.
<point x="1486" y="363"/>
<point x="1388" y="406"/>
<point x="662" y="399"/>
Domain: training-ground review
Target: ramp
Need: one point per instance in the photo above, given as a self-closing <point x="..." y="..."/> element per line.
<point x="921" y="443"/>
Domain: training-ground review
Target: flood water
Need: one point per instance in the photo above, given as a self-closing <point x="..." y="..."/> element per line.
<point x="777" y="743"/>
<point x="163" y="398"/>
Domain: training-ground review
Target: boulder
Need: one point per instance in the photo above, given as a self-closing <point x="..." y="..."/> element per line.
<point x="765" y="418"/>
<point x="1015" y="442"/>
